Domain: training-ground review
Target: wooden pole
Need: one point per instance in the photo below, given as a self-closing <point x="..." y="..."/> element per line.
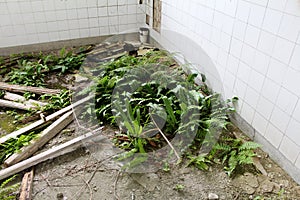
<point x="26" y="186"/>
<point x="23" y="89"/>
<point x="43" y="138"/>
<point x="18" y="98"/>
<point x="11" y="104"/>
<point x="49" y="154"/>
<point x="41" y="122"/>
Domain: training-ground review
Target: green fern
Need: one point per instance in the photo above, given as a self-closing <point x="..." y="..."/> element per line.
<point x="249" y="146"/>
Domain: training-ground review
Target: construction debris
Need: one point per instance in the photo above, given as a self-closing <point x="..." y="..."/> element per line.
<point x="26" y="186"/>
<point x="42" y="121"/>
<point x="11" y="104"/>
<point x="54" y="152"/>
<point x="18" y="98"/>
<point x="43" y="138"/>
<point x="23" y="89"/>
<point x="57" y="121"/>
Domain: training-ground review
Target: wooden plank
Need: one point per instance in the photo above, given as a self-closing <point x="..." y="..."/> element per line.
<point x="43" y="138"/>
<point x="41" y="122"/>
<point x="11" y="104"/>
<point x="18" y="98"/>
<point x="26" y="186"/>
<point x="49" y="154"/>
<point x="23" y="89"/>
<point x="114" y="56"/>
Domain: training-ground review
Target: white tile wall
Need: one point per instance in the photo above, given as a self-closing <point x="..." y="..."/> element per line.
<point x="249" y="48"/>
<point x="274" y="135"/>
<point x="289" y="149"/>
<point x="47" y="21"/>
<point x="262" y="60"/>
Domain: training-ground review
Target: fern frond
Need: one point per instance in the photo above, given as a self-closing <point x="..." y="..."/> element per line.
<point x="222" y="147"/>
<point x="249" y="146"/>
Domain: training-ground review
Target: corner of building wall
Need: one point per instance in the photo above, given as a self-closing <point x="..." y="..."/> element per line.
<point x="274" y="153"/>
<point x="5" y="51"/>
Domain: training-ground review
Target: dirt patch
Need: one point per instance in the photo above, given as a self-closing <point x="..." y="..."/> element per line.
<point x="92" y="173"/>
<point x="95" y="175"/>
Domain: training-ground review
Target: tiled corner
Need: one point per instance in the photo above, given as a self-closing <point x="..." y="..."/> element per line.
<point x="256" y="80"/>
<point x="239" y="30"/>
<point x="261" y="62"/>
<point x="289" y="27"/>
<point x="283" y="50"/>
<point x="252" y="35"/>
<point x="257" y="14"/>
<point x="252" y="97"/>
<point x="264" y="107"/>
<point x="266" y="42"/>
<point x="289" y="149"/>
<point x="272" y="20"/>
<point x="248" y="113"/>
<point x="295" y="58"/>
<point x="293" y="131"/>
<point x="243" y="11"/>
<point x="291" y="80"/>
<point x="273" y="135"/>
<point x="260" y="123"/>
<point x="270" y="90"/>
<point x="79" y="18"/>
<point x="297" y="163"/>
<point x="296" y="113"/>
<point x="280" y="119"/>
<point x="277" y="5"/>
<point x="276" y="70"/>
<point x="286" y="101"/>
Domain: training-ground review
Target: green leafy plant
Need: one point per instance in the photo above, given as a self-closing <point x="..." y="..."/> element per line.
<point x="28" y="73"/>
<point x="66" y="61"/>
<point x="233" y="152"/>
<point x="200" y="161"/>
<point x="32" y="72"/>
<point x="179" y="187"/>
<point x="2" y="93"/>
<point x="174" y="98"/>
<point x="13" y="145"/>
<point x="9" y="192"/>
<point x="57" y="101"/>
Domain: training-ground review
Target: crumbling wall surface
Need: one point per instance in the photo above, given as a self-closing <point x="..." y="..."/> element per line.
<point x="41" y="21"/>
<point x="254" y="47"/>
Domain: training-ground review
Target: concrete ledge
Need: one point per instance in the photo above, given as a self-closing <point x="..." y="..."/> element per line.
<point x="6" y="51"/>
<point x="273" y="152"/>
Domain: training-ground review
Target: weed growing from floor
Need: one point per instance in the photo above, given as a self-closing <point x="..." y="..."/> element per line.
<point x="136" y="111"/>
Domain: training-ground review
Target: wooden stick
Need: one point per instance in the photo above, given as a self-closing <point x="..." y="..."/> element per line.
<point x="23" y="89"/>
<point x="43" y="138"/>
<point x="164" y="136"/>
<point x="49" y="154"/>
<point x="26" y="186"/>
<point x="11" y="104"/>
<point x="18" y="98"/>
<point x="41" y="122"/>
